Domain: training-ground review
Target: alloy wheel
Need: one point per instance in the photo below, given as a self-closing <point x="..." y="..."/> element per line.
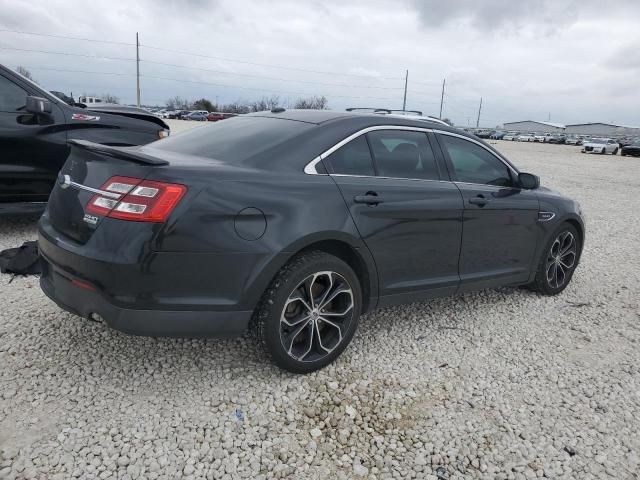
<point x="316" y="316"/>
<point x="561" y="259"/>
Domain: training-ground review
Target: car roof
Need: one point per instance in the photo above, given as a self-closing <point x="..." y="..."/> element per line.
<point x="322" y="116"/>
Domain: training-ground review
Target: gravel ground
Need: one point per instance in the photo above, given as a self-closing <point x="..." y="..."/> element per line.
<point x="496" y="384"/>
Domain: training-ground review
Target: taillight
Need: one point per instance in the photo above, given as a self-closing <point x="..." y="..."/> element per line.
<point x="140" y="200"/>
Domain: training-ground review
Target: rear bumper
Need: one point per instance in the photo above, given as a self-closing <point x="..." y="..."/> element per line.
<point x="153" y="323"/>
<point x="168" y="295"/>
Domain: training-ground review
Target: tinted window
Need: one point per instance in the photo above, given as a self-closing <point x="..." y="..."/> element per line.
<point x="403" y="154"/>
<point x="353" y="158"/>
<point x="474" y="164"/>
<point x="235" y="139"/>
<point x="12" y="96"/>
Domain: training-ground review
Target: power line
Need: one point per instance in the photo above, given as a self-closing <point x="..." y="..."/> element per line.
<point x="79" y="71"/>
<point x="283" y="67"/>
<point x="197" y="82"/>
<point x="264" y="77"/>
<point x="66" y="37"/>
<point x="259" y="89"/>
<point x="66" y="53"/>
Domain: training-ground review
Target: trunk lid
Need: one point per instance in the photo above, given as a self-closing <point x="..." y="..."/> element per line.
<point x="90" y="165"/>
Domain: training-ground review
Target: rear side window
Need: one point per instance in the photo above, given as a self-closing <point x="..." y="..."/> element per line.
<point x="403" y="154"/>
<point x="474" y="164"/>
<point x="233" y="140"/>
<point x="353" y="158"/>
<point x="12" y="97"/>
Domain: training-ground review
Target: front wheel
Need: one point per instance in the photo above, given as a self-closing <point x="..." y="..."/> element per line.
<point x="310" y="312"/>
<point x="615" y="151"/>
<point x="558" y="261"/>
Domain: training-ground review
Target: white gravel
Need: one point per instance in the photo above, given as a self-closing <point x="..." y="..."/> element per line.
<point x="496" y="384"/>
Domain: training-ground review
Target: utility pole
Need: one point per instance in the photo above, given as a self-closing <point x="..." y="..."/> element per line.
<point x="442" y="97"/>
<point x="404" y="102"/>
<point x="138" y="69"/>
<point x="479" y="110"/>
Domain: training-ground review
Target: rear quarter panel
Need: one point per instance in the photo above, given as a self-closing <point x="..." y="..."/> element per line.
<point x="297" y="210"/>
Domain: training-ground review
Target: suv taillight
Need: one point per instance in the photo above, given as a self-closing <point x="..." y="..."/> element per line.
<point x="140" y="200"/>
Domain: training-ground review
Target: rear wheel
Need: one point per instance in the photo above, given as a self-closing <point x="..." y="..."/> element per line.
<point x="558" y="261"/>
<point x="310" y="312"/>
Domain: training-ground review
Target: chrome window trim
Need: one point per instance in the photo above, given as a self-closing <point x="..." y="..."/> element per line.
<point x="310" y="168"/>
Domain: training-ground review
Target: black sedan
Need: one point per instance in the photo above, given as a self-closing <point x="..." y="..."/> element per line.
<point x="632" y="150"/>
<point x="299" y="221"/>
<point x="34" y="128"/>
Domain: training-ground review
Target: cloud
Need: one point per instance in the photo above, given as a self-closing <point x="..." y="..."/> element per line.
<point x="575" y="59"/>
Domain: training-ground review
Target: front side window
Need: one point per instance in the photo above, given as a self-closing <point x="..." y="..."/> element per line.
<point x="403" y="154"/>
<point x="12" y="97"/>
<point x="474" y="164"/>
<point x="353" y="158"/>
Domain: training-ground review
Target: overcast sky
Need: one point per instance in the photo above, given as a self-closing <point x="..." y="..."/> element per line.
<point x="569" y="61"/>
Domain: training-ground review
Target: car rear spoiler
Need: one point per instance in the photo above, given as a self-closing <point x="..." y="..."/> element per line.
<point x="124" y="153"/>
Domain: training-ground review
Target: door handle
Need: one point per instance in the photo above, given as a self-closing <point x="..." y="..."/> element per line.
<point x="370" y="198"/>
<point x="479" y="200"/>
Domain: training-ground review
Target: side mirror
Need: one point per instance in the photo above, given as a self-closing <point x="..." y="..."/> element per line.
<point x="38" y="105"/>
<point x="528" y="181"/>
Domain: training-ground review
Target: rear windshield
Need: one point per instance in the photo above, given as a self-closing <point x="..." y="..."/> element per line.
<point x="234" y="139"/>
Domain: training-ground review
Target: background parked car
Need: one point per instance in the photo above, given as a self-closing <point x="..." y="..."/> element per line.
<point x="601" y="145"/>
<point x="557" y="138"/>
<point x="632" y="149"/>
<point x="182" y="114"/>
<point x="573" y="140"/>
<point x="216" y="116"/>
<point x="483" y="133"/>
<point x="498" y="134"/>
<point x="527" y="137"/>
<point x="200" y="116"/>
<point x="511" y="136"/>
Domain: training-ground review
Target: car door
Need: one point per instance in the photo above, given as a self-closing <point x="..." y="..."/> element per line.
<point x="500" y="220"/>
<point x="409" y="218"/>
<point x="32" y="149"/>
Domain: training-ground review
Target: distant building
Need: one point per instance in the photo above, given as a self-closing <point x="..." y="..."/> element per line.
<point x="533" y="126"/>
<point x="602" y="129"/>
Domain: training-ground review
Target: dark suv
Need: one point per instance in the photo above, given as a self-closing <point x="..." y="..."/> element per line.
<point x="35" y="127"/>
<point x="299" y="220"/>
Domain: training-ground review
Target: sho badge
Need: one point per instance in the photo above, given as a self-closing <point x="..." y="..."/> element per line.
<point x="90" y="219"/>
<point x="545" y="216"/>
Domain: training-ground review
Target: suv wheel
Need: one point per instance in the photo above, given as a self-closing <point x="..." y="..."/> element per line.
<point x="309" y="313"/>
<point x="558" y="261"/>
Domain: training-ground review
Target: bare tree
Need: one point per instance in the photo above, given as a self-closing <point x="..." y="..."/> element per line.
<point x="25" y="73"/>
<point x="239" y="106"/>
<point x="312" y="103"/>
<point x="204" y="104"/>
<point x="177" y="103"/>
<point x="265" y="103"/>
<point x="109" y="98"/>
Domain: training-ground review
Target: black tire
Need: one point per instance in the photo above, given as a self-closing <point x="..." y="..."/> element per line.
<point x="615" y="152"/>
<point x="545" y="281"/>
<point x="272" y="310"/>
<point x="622" y="154"/>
